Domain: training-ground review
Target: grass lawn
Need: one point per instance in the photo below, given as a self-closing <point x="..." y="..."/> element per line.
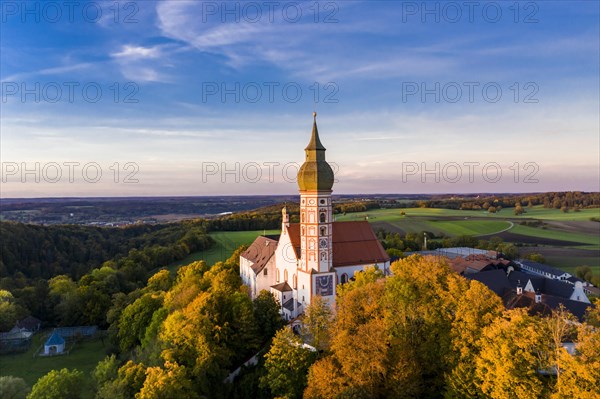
<point x="226" y="243"/>
<point x="83" y="357"/>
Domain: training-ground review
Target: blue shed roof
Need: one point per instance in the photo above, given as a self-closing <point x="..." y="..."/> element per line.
<point x="55" y="339"/>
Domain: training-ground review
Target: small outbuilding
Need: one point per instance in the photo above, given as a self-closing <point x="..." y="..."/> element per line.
<point x="54" y="345"/>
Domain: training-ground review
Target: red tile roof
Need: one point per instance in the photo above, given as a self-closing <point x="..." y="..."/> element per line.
<point x="354" y="243"/>
<point x="259" y="252"/>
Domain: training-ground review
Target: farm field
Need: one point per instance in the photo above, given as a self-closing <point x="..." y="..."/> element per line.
<point x="84" y="357"/>
<point x="226" y="243"/>
<point x="566" y="240"/>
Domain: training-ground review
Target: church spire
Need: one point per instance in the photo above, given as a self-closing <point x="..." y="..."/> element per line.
<point x="315" y="143"/>
<point x="315" y="173"/>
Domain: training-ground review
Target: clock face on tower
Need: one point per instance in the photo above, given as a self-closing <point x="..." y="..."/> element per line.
<point x="323" y="243"/>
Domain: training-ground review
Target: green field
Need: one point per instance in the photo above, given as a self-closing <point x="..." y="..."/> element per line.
<point x="226" y="243"/>
<point x="567" y="240"/>
<point x="579" y="244"/>
<point x="593" y="241"/>
<point x="84" y="357"/>
<point x="536" y="212"/>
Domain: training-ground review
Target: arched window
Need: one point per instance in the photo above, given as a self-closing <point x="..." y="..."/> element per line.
<point x="344" y="278"/>
<point x="311" y="244"/>
<point x="323" y="255"/>
<point x="295" y="281"/>
<point x="277" y="276"/>
<point x="323" y="231"/>
<point x="302" y="217"/>
<point x="285" y="275"/>
<point x="322" y="217"/>
<point x="303" y="230"/>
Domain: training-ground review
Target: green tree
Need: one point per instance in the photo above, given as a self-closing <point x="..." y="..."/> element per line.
<point x="10" y="311"/>
<point x="316" y="323"/>
<point x="13" y="388"/>
<point x="266" y="313"/>
<point x="135" y="319"/>
<point x="106" y="372"/>
<point x="584" y="272"/>
<point x="58" y="384"/>
<point x="287" y="364"/>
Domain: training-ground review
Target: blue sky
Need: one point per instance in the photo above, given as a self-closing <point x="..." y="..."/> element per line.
<point x="180" y="106"/>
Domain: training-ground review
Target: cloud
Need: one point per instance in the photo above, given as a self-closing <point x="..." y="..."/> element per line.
<point x="138" y="52"/>
<point x="144" y="64"/>
<point x="58" y="70"/>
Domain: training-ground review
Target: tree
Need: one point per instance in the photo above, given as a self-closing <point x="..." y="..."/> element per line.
<point x="58" y="384"/>
<point x="13" y="388"/>
<point x="580" y="373"/>
<point x="394" y="253"/>
<point x="477" y="308"/>
<point x="560" y="326"/>
<point x="287" y="364"/>
<point x="10" y="312"/>
<point x="519" y="210"/>
<point x="105" y="372"/>
<point x="135" y="319"/>
<point x="513" y="349"/>
<point x="491" y="209"/>
<point x="168" y="382"/>
<point x="584" y="272"/>
<point x="508" y="250"/>
<point x="535" y="257"/>
<point x="266" y="313"/>
<point x="316" y="322"/>
<point x="592" y="314"/>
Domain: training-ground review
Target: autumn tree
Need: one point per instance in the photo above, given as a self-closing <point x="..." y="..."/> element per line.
<point x="168" y="382"/>
<point x="513" y="350"/>
<point x="476" y="309"/>
<point x="579" y="375"/>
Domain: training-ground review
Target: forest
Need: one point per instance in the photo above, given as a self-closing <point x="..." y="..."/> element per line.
<point x="414" y="334"/>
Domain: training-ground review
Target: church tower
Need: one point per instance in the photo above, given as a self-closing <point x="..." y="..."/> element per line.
<point x="315" y="181"/>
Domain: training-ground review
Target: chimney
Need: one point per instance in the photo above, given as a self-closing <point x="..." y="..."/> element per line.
<point x="538" y="296"/>
<point x="509" y="270"/>
<point x="519" y="288"/>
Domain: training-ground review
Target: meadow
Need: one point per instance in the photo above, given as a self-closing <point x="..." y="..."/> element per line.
<point x="225" y="243"/>
<point x="84" y="356"/>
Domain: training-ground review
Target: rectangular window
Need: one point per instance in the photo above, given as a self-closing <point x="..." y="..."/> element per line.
<point x="265" y="272"/>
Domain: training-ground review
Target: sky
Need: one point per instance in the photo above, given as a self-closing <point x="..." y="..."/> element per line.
<point x="169" y="98"/>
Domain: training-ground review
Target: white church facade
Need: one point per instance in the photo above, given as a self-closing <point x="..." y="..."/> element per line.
<point x="312" y="257"/>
